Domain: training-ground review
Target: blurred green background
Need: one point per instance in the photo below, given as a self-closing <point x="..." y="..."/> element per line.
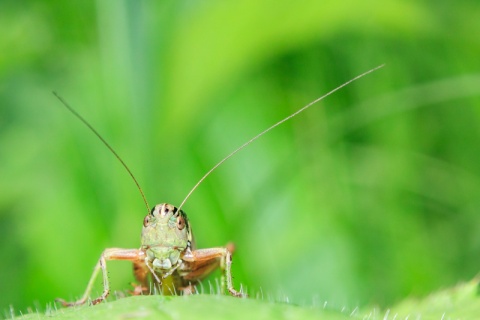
<point x="370" y="196"/>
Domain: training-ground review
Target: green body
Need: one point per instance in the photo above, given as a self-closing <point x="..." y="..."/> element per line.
<point x="166" y="237"/>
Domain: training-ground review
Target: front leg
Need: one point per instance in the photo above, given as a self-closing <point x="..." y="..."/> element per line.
<point x="133" y="255"/>
<point x="203" y="261"/>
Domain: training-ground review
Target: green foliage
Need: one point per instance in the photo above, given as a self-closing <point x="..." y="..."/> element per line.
<point x="370" y="196"/>
<point x="190" y="307"/>
<point x="460" y="302"/>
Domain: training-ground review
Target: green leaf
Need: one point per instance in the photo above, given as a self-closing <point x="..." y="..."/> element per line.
<point x="189" y="307"/>
<point x="460" y="302"/>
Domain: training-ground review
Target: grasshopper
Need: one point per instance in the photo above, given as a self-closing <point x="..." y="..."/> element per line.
<point x="167" y="258"/>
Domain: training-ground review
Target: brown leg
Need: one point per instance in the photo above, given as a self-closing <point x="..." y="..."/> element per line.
<point x="188" y="290"/>
<point x="138" y="290"/>
<point x="140" y="272"/>
<point x="133" y="255"/>
<point x="203" y="261"/>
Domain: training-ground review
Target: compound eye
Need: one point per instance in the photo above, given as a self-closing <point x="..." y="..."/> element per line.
<point x="180" y="222"/>
<point x="146" y="220"/>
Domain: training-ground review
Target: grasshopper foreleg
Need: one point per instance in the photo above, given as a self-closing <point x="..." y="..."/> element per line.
<point x="133" y="255"/>
<point x="202" y="261"/>
<point x="147" y="263"/>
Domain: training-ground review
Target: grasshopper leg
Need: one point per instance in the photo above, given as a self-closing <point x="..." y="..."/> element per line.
<point x="203" y="261"/>
<point x="133" y="255"/>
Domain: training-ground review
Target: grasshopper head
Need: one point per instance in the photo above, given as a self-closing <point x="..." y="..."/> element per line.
<point x="166" y="234"/>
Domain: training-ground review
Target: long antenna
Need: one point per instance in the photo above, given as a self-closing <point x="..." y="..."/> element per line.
<point x="85" y="122"/>
<point x="275" y="125"/>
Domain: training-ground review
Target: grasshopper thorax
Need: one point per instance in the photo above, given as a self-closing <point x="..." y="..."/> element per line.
<point x="166" y="235"/>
